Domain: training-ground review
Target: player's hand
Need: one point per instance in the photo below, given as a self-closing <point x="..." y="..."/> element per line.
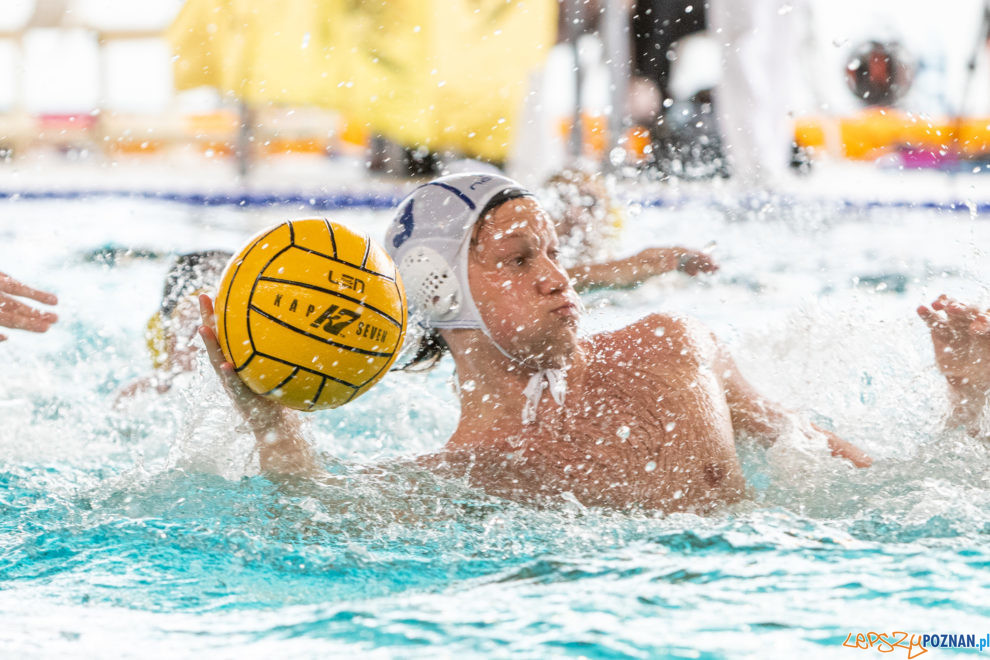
<point x="961" y="339"/>
<point x="281" y="446"/>
<point x="261" y="414"/>
<point x="19" y="315"/>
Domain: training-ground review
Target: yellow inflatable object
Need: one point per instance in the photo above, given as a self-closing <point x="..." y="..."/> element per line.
<point x="443" y="74"/>
<point x="260" y="52"/>
<point x="311" y="314"/>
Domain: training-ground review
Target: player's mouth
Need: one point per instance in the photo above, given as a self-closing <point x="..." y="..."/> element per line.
<point x="567" y="310"/>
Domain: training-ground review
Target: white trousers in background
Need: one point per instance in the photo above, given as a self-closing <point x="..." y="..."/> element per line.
<point x="759" y="40"/>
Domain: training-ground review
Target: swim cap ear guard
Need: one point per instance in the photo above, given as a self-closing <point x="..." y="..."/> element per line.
<point x="429" y="239"/>
<point x="431" y="283"/>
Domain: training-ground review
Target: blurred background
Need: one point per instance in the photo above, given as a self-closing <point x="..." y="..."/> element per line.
<point x="758" y="91"/>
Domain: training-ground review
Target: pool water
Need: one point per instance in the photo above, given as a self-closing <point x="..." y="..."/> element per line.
<point x="142" y="527"/>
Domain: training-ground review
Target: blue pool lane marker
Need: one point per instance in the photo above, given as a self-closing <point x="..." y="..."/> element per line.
<point x="384" y="201"/>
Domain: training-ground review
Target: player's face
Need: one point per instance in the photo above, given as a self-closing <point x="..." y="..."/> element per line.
<point x="523" y="294"/>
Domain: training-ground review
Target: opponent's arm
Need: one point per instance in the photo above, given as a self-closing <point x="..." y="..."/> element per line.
<point x="16" y="314"/>
<point x="755" y="415"/>
<point x="281" y="446"/>
<point x="961" y="339"/>
<point x="641" y="266"/>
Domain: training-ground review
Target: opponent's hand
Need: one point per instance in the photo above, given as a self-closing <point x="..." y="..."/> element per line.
<point x="961" y="339"/>
<point x="18" y="315"/>
<point x="655" y="261"/>
<point x="692" y="262"/>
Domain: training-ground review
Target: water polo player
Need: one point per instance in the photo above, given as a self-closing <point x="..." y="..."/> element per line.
<point x="171" y="330"/>
<point x="642" y="416"/>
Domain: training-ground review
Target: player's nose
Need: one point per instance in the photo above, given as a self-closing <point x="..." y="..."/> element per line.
<point x="553" y="278"/>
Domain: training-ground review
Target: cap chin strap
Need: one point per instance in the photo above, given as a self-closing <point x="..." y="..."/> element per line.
<point x="539" y="380"/>
<point x="555" y="379"/>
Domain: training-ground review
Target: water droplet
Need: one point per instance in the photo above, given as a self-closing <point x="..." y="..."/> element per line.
<point x="651" y="466"/>
<point x="622" y="432"/>
<point x="468" y="386"/>
<point x="669" y="426"/>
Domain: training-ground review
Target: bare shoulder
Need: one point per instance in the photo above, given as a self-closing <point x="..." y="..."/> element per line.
<point x="658" y="337"/>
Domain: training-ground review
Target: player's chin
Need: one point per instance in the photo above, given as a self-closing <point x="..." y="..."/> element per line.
<point x="558" y="352"/>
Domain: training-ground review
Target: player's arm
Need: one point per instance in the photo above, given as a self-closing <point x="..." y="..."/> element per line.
<point x="961" y="339"/>
<point x="755" y="415"/>
<point x="281" y="446"/>
<point x="641" y="266"/>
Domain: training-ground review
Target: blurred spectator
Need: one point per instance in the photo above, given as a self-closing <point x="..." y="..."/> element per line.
<point x="758" y="39"/>
<point x="657" y="25"/>
<point x="684" y="137"/>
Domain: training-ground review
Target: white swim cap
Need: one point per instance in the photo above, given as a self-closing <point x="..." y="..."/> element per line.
<point x="429" y="240"/>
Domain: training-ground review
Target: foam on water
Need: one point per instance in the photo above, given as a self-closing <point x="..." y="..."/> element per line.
<point x="146" y="527"/>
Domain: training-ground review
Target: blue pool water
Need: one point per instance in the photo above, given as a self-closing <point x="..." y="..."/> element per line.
<point x="143" y="529"/>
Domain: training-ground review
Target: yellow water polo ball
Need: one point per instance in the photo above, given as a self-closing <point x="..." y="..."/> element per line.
<point x="311" y="313"/>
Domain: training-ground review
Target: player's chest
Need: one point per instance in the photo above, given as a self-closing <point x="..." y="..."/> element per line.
<point x="632" y="411"/>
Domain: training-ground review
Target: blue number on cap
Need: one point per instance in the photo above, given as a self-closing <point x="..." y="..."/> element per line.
<point x="406" y="222"/>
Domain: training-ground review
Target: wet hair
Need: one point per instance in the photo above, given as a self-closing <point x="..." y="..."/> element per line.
<point x="431" y="347"/>
<point x="190" y="272"/>
<point x="429" y="352"/>
<point x="501" y="197"/>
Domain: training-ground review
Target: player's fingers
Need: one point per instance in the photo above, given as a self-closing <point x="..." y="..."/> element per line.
<point x="235" y="387"/>
<point x="225" y="370"/>
<point x="15" y="314"/>
<point x="941" y="331"/>
<point x="250" y="404"/>
<point x="980" y="325"/>
<point x="208" y="333"/>
<point x="212" y="347"/>
<point x="931" y="318"/>
<point x="206" y="311"/>
<point x="32" y="322"/>
<point x="9" y="285"/>
<point x="960" y="313"/>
